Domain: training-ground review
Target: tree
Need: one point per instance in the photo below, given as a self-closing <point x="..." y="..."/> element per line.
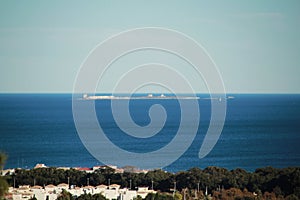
<point x="177" y="196"/>
<point x="291" y="197"/>
<point x="85" y="197"/>
<point x="98" y="197"/>
<point x="3" y="182"/>
<point x="3" y="158"/>
<point x="64" y="195"/>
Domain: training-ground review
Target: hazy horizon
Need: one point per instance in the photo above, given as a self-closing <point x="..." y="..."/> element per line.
<point x="255" y="45"/>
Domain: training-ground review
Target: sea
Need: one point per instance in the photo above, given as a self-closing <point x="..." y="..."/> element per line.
<point x="260" y="130"/>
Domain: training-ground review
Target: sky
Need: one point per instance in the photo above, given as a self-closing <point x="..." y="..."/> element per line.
<point x="255" y="44"/>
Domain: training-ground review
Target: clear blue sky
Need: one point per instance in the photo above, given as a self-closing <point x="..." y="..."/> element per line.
<point x="255" y="44"/>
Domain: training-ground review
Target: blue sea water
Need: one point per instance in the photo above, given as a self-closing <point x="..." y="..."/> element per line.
<point x="260" y="130"/>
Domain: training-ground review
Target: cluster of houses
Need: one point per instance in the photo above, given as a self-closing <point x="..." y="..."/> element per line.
<point x="51" y="192"/>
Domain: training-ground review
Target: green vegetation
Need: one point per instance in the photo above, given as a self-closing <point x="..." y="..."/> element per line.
<point x="68" y="196"/>
<point x="65" y="196"/>
<point x="163" y="196"/>
<point x="265" y="183"/>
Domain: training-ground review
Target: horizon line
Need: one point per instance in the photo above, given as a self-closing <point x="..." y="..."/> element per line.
<point x="150" y="93"/>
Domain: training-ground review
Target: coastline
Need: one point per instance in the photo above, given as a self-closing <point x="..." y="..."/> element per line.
<point x="210" y="182"/>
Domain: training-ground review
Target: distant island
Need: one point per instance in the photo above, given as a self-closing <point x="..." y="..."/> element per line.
<point x="148" y="96"/>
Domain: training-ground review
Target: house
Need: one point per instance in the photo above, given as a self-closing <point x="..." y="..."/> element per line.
<point x="52" y="192"/>
<point x="50" y="188"/>
<point x="144" y="191"/>
<point x="40" y="165"/>
<point x="62" y="186"/>
<point x="126" y="194"/>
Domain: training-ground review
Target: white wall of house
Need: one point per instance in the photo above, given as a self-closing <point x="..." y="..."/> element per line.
<point x="52" y="192"/>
